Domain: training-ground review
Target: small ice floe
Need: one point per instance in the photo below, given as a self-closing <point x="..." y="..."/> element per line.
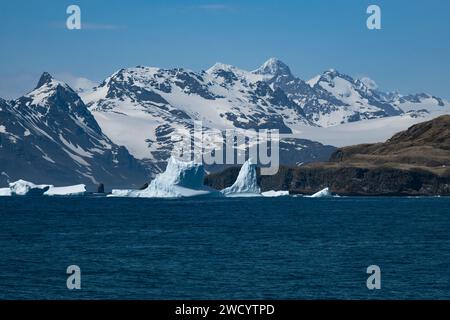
<point x="324" y="193"/>
<point x="5" y="192"/>
<point x="273" y="193"/>
<point x="26" y="188"/>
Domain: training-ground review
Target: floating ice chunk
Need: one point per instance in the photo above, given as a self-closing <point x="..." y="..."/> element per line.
<point x="246" y="184"/>
<point x="180" y="179"/>
<point x="23" y="188"/>
<point x="75" y="190"/>
<point x="5" y="192"/>
<point x="161" y="191"/>
<point x="324" y="193"/>
<point x="122" y="193"/>
<point x="273" y="193"/>
<point x="26" y="188"/>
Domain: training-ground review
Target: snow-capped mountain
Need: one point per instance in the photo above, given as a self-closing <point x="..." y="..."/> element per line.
<point x="49" y="136"/>
<point x="421" y="102"/>
<point x="346" y="100"/>
<point x="330" y="98"/>
<point x="333" y="98"/>
<point x="143" y="108"/>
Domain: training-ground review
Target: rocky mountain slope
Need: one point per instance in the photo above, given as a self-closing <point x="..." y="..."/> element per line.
<point x="425" y="145"/>
<point x="125" y="128"/>
<point x="49" y="136"/>
<point x="142" y="108"/>
<point x="412" y="162"/>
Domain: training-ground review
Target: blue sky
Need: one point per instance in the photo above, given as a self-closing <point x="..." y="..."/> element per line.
<point x="410" y="54"/>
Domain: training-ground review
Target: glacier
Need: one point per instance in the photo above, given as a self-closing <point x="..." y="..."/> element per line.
<point x="180" y="179"/>
<point x="246" y="184"/>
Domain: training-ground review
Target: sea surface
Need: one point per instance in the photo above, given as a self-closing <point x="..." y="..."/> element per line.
<point x="248" y="248"/>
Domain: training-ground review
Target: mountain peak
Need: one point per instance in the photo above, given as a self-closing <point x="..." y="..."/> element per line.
<point x="44" y="79"/>
<point x="273" y="66"/>
<point x="369" y="83"/>
<point x="220" y="66"/>
<point x="332" y="72"/>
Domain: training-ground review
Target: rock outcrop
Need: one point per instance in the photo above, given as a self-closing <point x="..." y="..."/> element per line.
<point x="413" y="162"/>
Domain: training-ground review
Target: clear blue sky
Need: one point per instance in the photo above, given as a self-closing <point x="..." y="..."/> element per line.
<point x="410" y="54"/>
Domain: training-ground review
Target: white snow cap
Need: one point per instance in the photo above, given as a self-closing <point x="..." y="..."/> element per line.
<point x="221" y="66"/>
<point x="273" y="66"/>
<point x="246" y="183"/>
<point x="369" y="83"/>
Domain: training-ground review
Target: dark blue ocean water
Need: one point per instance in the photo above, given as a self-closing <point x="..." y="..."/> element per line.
<point x="282" y="248"/>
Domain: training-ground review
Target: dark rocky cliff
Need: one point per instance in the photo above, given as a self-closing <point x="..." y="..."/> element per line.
<point x="412" y="162"/>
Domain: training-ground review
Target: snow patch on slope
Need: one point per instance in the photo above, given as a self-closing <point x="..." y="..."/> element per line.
<point x="364" y="131"/>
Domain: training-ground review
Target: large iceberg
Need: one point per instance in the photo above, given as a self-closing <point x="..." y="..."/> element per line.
<point x="26" y="188"/>
<point x="246" y="184"/>
<point x="181" y="179"/>
<point x="324" y="193"/>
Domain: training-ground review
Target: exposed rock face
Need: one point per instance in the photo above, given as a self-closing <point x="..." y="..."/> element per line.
<point x="412" y="162"/>
<point x="143" y="108"/>
<point x="101" y="188"/>
<point x="345" y="181"/>
<point x="144" y="186"/>
<point x="125" y="128"/>
<point x="49" y="136"/>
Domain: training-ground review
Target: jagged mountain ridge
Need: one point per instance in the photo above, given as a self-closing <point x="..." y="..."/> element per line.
<point x="143" y="108"/>
<point x="49" y="136"/>
<point x="333" y="98"/>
